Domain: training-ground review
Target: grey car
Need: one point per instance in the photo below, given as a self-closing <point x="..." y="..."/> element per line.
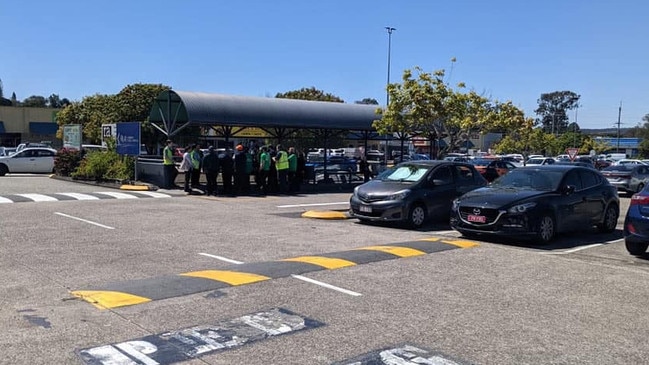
<point x="628" y="178"/>
<point x="414" y="192"/>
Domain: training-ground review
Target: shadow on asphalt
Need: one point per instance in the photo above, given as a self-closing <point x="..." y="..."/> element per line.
<point x="563" y="241"/>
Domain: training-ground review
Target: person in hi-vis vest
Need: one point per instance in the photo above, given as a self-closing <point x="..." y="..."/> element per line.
<point x="281" y="164"/>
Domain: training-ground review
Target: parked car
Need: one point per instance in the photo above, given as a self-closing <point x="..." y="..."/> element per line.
<point x="492" y="169"/>
<point x="334" y="163"/>
<point x="29" y="160"/>
<point x="636" y="223"/>
<point x="627" y="178"/>
<point x="414" y="192"/>
<point x="538" y="202"/>
<point x="539" y="161"/>
<point x="628" y="161"/>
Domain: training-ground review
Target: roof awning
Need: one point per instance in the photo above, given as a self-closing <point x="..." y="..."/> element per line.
<point x="43" y="127"/>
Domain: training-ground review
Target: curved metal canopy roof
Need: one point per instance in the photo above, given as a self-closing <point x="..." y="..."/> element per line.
<point x="178" y="109"/>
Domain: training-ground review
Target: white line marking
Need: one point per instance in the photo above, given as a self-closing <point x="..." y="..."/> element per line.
<point x="300" y="277"/>
<point x="447" y="232"/>
<point x="39" y="197"/>
<point x="80" y="196"/>
<point x="221" y="258"/>
<point x="84" y="220"/>
<point x="310" y="205"/>
<point x="5" y="200"/>
<point x="117" y="195"/>
<point x="329" y="286"/>
<point x="154" y="194"/>
<point x="573" y="250"/>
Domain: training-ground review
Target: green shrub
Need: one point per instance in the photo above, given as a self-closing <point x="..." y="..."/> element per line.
<point x="105" y="165"/>
<point x="66" y="161"/>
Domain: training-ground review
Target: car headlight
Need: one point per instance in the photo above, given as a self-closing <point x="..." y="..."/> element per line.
<point x="400" y="195"/>
<point x="521" y="208"/>
<point x="456" y="205"/>
<point x="356" y="190"/>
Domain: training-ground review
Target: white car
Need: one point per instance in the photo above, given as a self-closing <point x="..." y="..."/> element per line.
<point x="29" y="160"/>
<point x="538" y="161"/>
<point x="627" y="161"/>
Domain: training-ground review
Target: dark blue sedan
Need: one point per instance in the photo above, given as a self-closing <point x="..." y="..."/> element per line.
<point x="636" y="223"/>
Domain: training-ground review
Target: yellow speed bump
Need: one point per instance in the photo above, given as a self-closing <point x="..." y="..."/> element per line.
<point x="326" y="262"/>
<point x="329" y="214"/>
<point x="230" y="277"/>
<point x="109" y="299"/>
<point x="134" y="187"/>
<point x="458" y="243"/>
<point x="395" y="250"/>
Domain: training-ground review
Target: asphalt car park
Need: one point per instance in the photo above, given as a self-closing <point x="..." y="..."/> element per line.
<point x="581" y="299"/>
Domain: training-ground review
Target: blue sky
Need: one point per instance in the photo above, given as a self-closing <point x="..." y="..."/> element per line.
<point x="507" y="49"/>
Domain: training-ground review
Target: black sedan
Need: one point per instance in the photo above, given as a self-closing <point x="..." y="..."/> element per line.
<point x="414" y="192"/>
<point x="538" y="202"/>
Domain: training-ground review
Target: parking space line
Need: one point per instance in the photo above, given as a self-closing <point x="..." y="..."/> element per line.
<point x="221" y="258"/>
<point x="84" y="220"/>
<point x="328" y="286"/>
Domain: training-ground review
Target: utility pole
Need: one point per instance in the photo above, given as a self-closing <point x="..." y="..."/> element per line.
<point x="619" y="115"/>
<point x="387" y="92"/>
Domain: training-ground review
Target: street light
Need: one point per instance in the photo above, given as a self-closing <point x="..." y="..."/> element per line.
<point x="387" y="91"/>
<point x="390" y="30"/>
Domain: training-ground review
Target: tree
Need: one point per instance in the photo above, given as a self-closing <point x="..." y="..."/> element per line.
<point x="3" y="100"/>
<point x="310" y="94"/>
<point x="423" y="104"/>
<point x="367" y="101"/>
<point x="35" y="101"/>
<point x="301" y="138"/>
<point x="54" y="101"/>
<point x="553" y="110"/>
<point x="136" y="102"/>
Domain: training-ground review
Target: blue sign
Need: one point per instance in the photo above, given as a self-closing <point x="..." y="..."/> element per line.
<point x="128" y="138"/>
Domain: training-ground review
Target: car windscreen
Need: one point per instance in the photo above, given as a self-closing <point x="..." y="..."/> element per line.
<point x="544" y="180"/>
<point x="407" y="172"/>
<point x="534" y="161"/>
<point x="618" y="168"/>
<point x="480" y="162"/>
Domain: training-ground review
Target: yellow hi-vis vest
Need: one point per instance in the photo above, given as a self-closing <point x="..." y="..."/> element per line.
<point x="282" y="161"/>
<point x="167" y="156"/>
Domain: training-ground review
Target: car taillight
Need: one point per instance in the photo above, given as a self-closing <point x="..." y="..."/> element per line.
<point x="630" y="228"/>
<point x="639" y="199"/>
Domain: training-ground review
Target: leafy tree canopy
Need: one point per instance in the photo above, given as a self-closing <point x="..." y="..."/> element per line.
<point x="311" y="93"/>
<point x="553" y="110"/>
<point x="367" y="101"/>
<point x="35" y="101"/>
<point x="131" y="104"/>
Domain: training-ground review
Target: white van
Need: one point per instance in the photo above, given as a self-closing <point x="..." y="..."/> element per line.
<point x="616" y="156"/>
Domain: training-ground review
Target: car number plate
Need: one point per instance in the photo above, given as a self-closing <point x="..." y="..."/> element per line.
<point x="365" y="209"/>
<point x="477" y="218"/>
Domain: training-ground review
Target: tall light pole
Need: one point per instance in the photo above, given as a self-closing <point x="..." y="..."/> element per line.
<point x="619" y="114"/>
<point x="387" y="92"/>
<point x="390" y="30"/>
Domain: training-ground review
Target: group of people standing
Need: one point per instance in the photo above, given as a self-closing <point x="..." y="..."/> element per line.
<point x="273" y="168"/>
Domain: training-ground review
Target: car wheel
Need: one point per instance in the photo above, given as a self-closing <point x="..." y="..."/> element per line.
<point x="639" y="188"/>
<point x="545" y="231"/>
<point x="636" y="248"/>
<point x="610" y="219"/>
<point x="417" y="216"/>
<point x="3" y="170"/>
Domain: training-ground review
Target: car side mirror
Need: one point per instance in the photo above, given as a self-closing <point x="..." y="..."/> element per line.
<point x="568" y="189"/>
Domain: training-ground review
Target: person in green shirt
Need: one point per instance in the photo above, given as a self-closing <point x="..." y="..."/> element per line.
<point x="292" y="169"/>
<point x="264" y="170"/>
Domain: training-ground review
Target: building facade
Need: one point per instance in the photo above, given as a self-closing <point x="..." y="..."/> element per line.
<point x="20" y="124"/>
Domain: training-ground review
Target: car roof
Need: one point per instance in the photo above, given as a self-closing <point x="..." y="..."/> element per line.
<point x="556" y="167"/>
